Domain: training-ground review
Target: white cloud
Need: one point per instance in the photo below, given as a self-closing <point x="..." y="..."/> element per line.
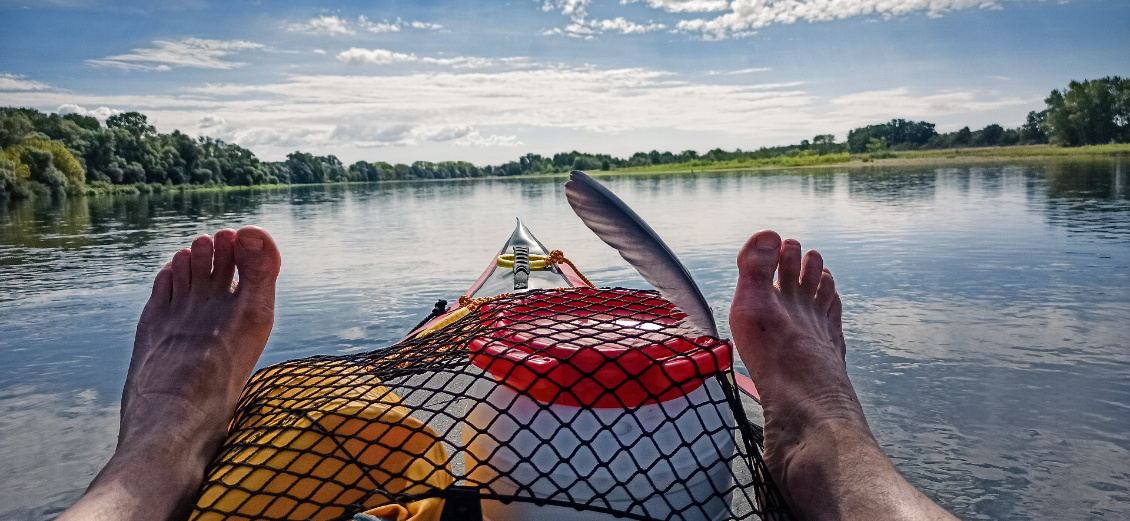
<point x="16" y="82"/>
<point x="750" y="70"/>
<point x="575" y="9"/>
<point x="623" y="26"/>
<point x="358" y="55"/>
<point x="326" y="25"/>
<point x="474" y="139"/>
<point x="337" y="26"/>
<point x="746" y="15"/>
<point x="374" y="56"/>
<point x="319" y="51"/>
<point x="100" y="113"/>
<point x="578" y="98"/>
<point x="581" y="27"/>
<point x="372" y="136"/>
<point x="374" y="27"/>
<point x="902" y="103"/>
<point x="685" y="6"/>
<point x="189" y="52"/>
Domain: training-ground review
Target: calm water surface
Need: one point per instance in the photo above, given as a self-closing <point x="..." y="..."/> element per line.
<point x="986" y="309"/>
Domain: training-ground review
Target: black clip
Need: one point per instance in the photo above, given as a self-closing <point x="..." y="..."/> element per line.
<point x="461" y="503"/>
<point x="521" y="267"/>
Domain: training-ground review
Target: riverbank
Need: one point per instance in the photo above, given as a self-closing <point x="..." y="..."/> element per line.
<point x="908" y="158"/>
<point x="892" y="158"/>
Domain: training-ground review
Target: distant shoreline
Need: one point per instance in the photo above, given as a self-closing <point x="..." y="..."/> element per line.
<point x="907" y="158"/>
<point x="941" y="157"/>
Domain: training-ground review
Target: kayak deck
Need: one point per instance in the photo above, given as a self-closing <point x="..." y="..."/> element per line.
<point x="330" y="436"/>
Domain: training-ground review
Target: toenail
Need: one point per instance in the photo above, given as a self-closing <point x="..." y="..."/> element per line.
<point x="767" y="242"/>
<point x="250" y="243"/>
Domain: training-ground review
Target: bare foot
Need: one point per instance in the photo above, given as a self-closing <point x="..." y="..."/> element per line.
<point x="197" y="342"/>
<point x="818" y="446"/>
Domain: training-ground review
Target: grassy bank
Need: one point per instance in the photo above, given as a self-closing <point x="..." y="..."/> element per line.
<point x="784" y="161"/>
<point x="952" y="156"/>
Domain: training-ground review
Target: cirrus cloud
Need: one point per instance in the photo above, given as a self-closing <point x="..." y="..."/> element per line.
<point x="189" y="52"/>
<point x="357" y="55"/>
<point x="337" y="26"/>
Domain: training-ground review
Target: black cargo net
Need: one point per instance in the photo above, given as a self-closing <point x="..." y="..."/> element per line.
<point x="572" y="403"/>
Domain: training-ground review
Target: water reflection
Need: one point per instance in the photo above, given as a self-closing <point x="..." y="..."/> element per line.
<point x="985" y="306"/>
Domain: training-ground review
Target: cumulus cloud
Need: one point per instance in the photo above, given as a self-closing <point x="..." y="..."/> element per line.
<point x="189" y="52"/>
<point x="427" y="26"/>
<point x="374" y="56"/>
<point x="619" y="24"/>
<point x="747" y="15"/>
<point x="100" y="113"/>
<point x="16" y="82"/>
<point x="375" y="27"/>
<point x="581" y="27"/>
<point x="685" y="6"/>
<point x="326" y="25"/>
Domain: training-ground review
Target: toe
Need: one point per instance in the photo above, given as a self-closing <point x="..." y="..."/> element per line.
<point x="789" y="276"/>
<point x="201" y="262"/>
<point x="182" y="273"/>
<point x="223" y="260"/>
<point x="826" y="293"/>
<point x="811" y="270"/>
<point x="256" y="257"/>
<point x="162" y="288"/>
<point x="758" y="258"/>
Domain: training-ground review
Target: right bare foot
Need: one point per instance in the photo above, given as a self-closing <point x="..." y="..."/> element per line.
<point x="197" y="342"/>
<point x="818" y="447"/>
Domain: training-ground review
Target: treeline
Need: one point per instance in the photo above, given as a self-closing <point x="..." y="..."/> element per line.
<point x="1092" y="112"/>
<point x="70" y="154"/>
<point x="52" y="154"/>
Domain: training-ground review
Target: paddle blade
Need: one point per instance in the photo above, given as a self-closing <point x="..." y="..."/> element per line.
<point x="616" y="224"/>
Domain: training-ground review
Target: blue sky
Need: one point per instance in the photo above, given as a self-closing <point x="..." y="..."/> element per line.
<point x="489" y="81"/>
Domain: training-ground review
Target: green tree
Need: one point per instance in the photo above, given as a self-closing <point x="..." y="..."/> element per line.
<point x="135" y="122"/>
<point x="1032" y="131"/>
<point x="1091" y="112"/>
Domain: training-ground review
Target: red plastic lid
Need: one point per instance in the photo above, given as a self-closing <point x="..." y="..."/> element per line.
<point x="594" y="348"/>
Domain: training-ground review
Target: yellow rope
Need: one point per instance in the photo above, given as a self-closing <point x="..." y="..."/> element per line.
<point x="541" y="262"/>
<point x="466" y="305"/>
<point x="505" y="261"/>
<point x="537" y="262"/>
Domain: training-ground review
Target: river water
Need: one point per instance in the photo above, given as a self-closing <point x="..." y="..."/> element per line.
<point x="987" y="309"/>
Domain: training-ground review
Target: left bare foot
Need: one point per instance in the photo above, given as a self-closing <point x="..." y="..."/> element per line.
<point x="197" y="342"/>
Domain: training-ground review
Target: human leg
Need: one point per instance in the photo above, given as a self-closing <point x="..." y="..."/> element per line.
<point x="818" y="446"/>
<point x="197" y="342"/>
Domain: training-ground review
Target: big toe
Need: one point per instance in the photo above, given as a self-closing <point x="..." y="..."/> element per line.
<point x="257" y="259"/>
<point x="758" y="258"/>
